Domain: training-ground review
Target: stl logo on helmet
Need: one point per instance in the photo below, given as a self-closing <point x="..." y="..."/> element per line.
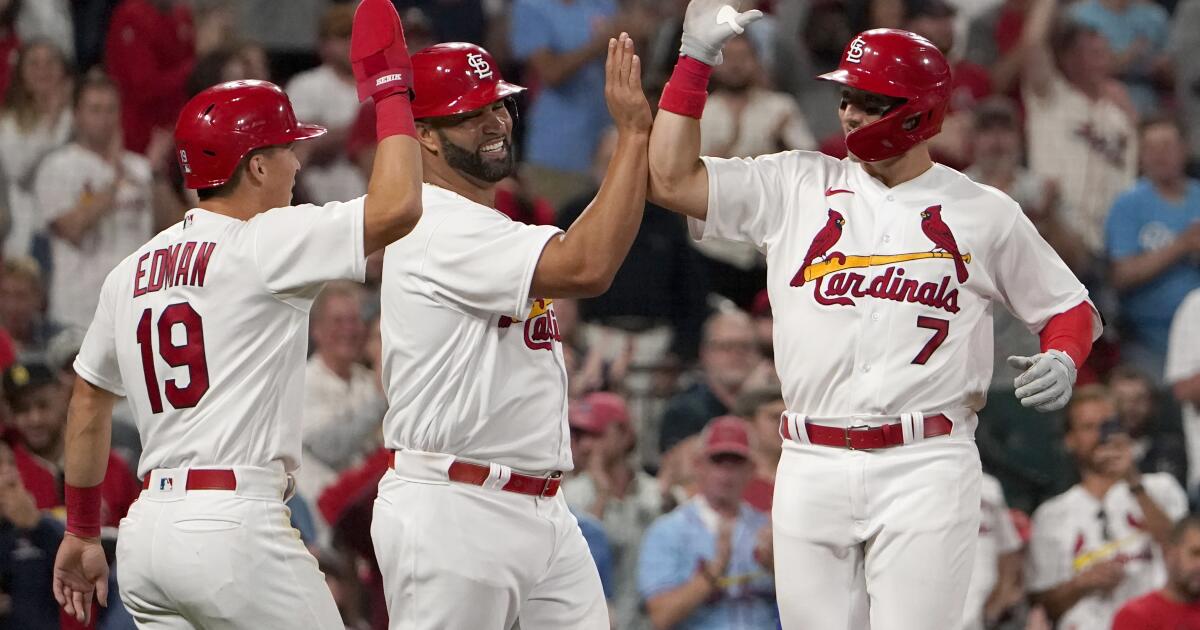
<point x="482" y="68"/>
<point x="856" y="50"/>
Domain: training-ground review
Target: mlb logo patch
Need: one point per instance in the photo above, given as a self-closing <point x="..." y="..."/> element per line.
<point x="166" y="484"/>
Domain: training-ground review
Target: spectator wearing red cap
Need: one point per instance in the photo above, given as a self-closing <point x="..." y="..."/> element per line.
<point x="1177" y="605"/>
<point x="623" y="497"/>
<point x="701" y="566"/>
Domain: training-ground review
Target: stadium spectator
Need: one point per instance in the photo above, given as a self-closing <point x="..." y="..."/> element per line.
<point x="1155" y="449"/>
<point x="1182" y="373"/>
<point x="46" y="20"/>
<point x="98" y="199"/>
<point x="610" y="488"/>
<point x="762" y="408"/>
<point x="1184" y="48"/>
<point x="1098" y="545"/>
<point x="458" y="21"/>
<point x="699" y="566"/>
<point x="563" y="43"/>
<point x="342" y="397"/>
<point x="1079" y="121"/>
<point x="1137" y="34"/>
<point x="996" y="580"/>
<point x="22" y="304"/>
<point x="28" y="542"/>
<point x="36" y="120"/>
<point x="1176" y="606"/>
<point x="10" y="42"/>
<point x="728" y="355"/>
<point x="658" y="294"/>
<point x="326" y="96"/>
<point x="1153" y="234"/>
<point x="149" y="51"/>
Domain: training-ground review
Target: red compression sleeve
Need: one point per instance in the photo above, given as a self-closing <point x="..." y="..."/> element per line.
<point x="687" y="90"/>
<point x="394" y="117"/>
<point x="83" y="510"/>
<point x="1070" y="332"/>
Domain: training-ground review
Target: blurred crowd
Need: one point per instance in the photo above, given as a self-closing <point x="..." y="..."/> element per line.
<point x="1086" y="112"/>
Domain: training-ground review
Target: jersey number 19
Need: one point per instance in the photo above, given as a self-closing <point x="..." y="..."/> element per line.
<point x="190" y="354"/>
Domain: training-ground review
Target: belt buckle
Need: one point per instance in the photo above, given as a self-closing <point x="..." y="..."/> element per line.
<point x="849" y="430"/>
<point x="546" y="485"/>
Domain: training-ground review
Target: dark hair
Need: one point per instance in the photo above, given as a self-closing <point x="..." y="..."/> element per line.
<point x="94" y="79"/>
<point x="1094" y="392"/>
<point x="8" y="17"/>
<point x="235" y="178"/>
<point x="1191" y="521"/>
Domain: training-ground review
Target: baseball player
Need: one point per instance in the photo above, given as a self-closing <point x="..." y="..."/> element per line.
<point x="469" y="527"/>
<point x="883" y="270"/>
<point x="205" y="330"/>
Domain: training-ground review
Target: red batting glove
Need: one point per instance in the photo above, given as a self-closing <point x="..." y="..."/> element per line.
<point x="378" y="53"/>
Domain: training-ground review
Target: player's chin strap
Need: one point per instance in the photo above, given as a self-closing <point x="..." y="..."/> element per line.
<point x="913" y="425"/>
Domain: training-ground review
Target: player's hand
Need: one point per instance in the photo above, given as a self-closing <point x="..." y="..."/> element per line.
<point x="80" y="571"/>
<point x="623" y="88"/>
<point x="708" y="24"/>
<point x="1102" y="576"/>
<point x="378" y="53"/>
<point x="1047" y="379"/>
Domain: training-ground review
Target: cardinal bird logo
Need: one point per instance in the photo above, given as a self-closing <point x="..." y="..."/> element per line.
<point x="938" y="232"/>
<point x="826" y="238"/>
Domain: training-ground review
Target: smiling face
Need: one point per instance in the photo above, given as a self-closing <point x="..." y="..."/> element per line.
<point x="478" y="144"/>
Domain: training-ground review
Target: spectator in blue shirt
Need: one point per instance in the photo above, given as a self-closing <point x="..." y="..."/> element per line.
<point x="1137" y="33"/>
<point x="704" y="565"/>
<point x="1153" y="240"/>
<point x="597" y="542"/>
<point x="563" y="42"/>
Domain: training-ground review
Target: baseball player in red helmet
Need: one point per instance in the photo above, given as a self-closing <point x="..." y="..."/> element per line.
<point x="469" y="527"/>
<point x="883" y="335"/>
<point x="204" y="329"/>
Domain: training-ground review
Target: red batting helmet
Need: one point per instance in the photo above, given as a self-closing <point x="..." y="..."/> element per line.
<point x="222" y="124"/>
<point x="456" y="78"/>
<point x="903" y="65"/>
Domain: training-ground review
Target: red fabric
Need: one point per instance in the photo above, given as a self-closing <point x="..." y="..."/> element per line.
<point x="9" y="47"/>
<point x="394" y="117"/>
<point x="83" y="510"/>
<point x="972" y="83"/>
<point x="1007" y="32"/>
<point x="1154" y="611"/>
<point x="8" y="353"/>
<point x="760" y="493"/>
<point x="1071" y="332"/>
<point x="118" y="491"/>
<point x="354" y="485"/>
<point x="150" y="53"/>
<point x="687" y="90"/>
<point x="536" y="211"/>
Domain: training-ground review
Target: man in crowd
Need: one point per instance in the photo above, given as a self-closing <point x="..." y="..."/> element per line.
<point x="701" y="565"/>
<point x="22" y="303"/>
<point x="1098" y="545"/>
<point x="1155" y="447"/>
<point x="1176" y="606"/>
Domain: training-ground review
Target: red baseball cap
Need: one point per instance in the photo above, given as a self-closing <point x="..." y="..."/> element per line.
<point x="597" y="411"/>
<point x="726" y="435"/>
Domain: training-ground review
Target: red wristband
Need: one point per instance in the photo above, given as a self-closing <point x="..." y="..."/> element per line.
<point x="393" y="117"/>
<point x="83" y="511"/>
<point x="1070" y="332"/>
<point x="687" y="91"/>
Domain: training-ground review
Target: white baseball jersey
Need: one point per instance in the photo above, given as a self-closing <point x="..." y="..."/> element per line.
<point x="1183" y="362"/>
<point x="473" y="365"/>
<point x="997" y="536"/>
<point x="205" y="330"/>
<point x="68" y="175"/>
<point x="1074" y="530"/>
<point x="878" y="317"/>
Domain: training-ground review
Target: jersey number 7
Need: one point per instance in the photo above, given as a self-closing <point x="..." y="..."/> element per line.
<point x="189" y="354"/>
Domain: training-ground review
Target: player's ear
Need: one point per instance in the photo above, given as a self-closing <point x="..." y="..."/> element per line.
<point x="256" y="168"/>
<point x="429" y="138"/>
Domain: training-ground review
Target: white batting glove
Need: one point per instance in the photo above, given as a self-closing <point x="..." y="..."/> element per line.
<point x="1046" y="381"/>
<point x="708" y="24"/>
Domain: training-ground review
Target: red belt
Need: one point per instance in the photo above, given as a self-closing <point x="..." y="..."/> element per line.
<point x="864" y="438"/>
<point x="478" y="474"/>
<point x="203" y="479"/>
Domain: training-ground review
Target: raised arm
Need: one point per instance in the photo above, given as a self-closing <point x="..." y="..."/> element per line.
<point x="583" y="262"/>
<point x="383" y="71"/>
<point x="678" y="179"/>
